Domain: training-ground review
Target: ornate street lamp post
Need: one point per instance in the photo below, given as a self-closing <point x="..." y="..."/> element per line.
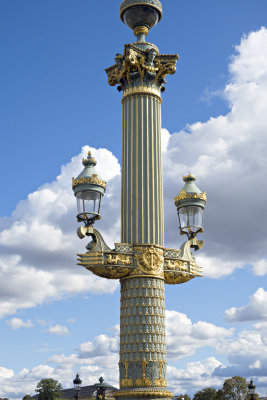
<point x="101" y="390"/>
<point x="140" y="261"/>
<point x="251" y="390"/>
<point x="77" y="386"/>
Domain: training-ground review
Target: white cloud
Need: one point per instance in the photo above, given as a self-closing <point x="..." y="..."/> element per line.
<point x="256" y="364"/>
<point x="256" y="310"/>
<point x="190" y="336"/>
<point x="228" y="154"/>
<point x="71" y="320"/>
<point x="196" y="375"/>
<point x="260" y="267"/>
<point x="16" y="323"/>
<point x="246" y="353"/>
<point x="100" y="358"/>
<point x="38" y="244"/>
<point x="6" y="373"/>
<point x="59" y="330"/>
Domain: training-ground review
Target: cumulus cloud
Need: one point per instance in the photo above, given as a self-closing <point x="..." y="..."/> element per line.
<point x="100" y="357"/>
<point x="38" y="243"/>
<point x="228" y="154"/>
<point x="16" y="323"/>
<point x="246" y="353"/>
<point x="256" y="310"/>
<point x="260" y="267"/>
<point x="184" y="337"/>
<point x="190" y="379"/>
<point x="71" y="320"/>
<point x="59" y="330"/>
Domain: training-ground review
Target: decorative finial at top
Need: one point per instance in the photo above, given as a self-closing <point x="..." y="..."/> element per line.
<point x="89" y="160"/>
<point x="190" y="177"/>
<point x="141" y="15"/>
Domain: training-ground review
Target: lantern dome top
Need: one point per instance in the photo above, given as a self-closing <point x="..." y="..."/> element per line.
<point x="190" y="177"/>
<point x="143" y="14"/>
<point x="89" y="160"/>
<point x="88" y="179"/>
<point x="190" y="193"/>
<point x="251" y="385"/>
<point x="77" y="380"/>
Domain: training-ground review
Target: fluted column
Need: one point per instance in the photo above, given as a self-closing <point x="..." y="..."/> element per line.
<point x="140" y="74"/>
<point x="142" y="187"/>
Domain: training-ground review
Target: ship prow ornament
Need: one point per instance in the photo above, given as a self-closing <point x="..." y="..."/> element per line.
<point x="140" y="260"/>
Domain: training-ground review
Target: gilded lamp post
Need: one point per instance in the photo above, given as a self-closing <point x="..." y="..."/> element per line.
<point x="140" y="261"/>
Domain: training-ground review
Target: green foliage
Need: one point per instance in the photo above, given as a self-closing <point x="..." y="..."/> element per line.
<point x="235" y="388"/>
<point x="48" y="389"/>
<point x="183" y="397"/>
<point x="26" y="397"/>
<point x="206" y="394"/>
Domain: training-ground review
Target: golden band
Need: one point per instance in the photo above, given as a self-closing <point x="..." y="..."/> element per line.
<point x="140" y="29"/>
<point x="142" y="90"/>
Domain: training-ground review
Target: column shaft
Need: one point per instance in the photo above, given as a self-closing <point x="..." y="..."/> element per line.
<point x="142" y="333"/>
<point x="142" y="188"/>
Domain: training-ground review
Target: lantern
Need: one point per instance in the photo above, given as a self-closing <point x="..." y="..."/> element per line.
<point x="88" y="189"/>
<point x="190" y="204"/>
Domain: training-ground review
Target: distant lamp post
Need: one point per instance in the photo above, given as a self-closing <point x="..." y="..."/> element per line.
<point x="190" y="203"/>
<point x="77" y="386"/>
<point x="89" y="189"/>
<point x="251" y="390"/>
<point x="101" y="390"/>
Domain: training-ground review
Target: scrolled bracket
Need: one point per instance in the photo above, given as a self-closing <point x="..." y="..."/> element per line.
<point x="180" y="265"/>
<point x="101" y="259"/>
<point x="127" y="260"/>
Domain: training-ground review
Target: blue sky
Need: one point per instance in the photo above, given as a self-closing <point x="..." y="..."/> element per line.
<point x="56" y="319"/>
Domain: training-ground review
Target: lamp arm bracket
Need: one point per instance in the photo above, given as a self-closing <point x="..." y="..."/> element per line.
<point x="186" y="247"/>
<point x="128" y="260"/>
<point x="180" y="265"/>
<point x="102" y="260"/>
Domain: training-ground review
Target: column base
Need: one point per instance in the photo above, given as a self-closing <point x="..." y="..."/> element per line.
<point x="143" y="393"/>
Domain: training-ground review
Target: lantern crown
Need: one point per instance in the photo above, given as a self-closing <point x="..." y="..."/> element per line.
<point x="88" y="178"/>
<point x="251" y="386"/>
<point x="77" y="380"/>
<point x="190" y="193"/>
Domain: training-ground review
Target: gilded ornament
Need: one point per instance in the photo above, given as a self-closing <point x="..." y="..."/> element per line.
<point x="173" y="278"/>
<point x="132" y="67"/>
<point x="160" y="381"/>
<point x="93" y="179"/>
<point x="118" y="259"/>
<point x="150" y="259"/>
<point x="105" y="271"/>
<point x="140" y="29"/>
<point x="144" y="393"/>
<point x="185" y="196"/>
<point x="176" y="264"/>
<point x="144" y="381"/>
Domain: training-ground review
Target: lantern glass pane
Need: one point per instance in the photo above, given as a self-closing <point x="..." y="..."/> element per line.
<point x="191" y="219"/>
<point x="77" y="387"/>
<point x="88" y="203"/>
